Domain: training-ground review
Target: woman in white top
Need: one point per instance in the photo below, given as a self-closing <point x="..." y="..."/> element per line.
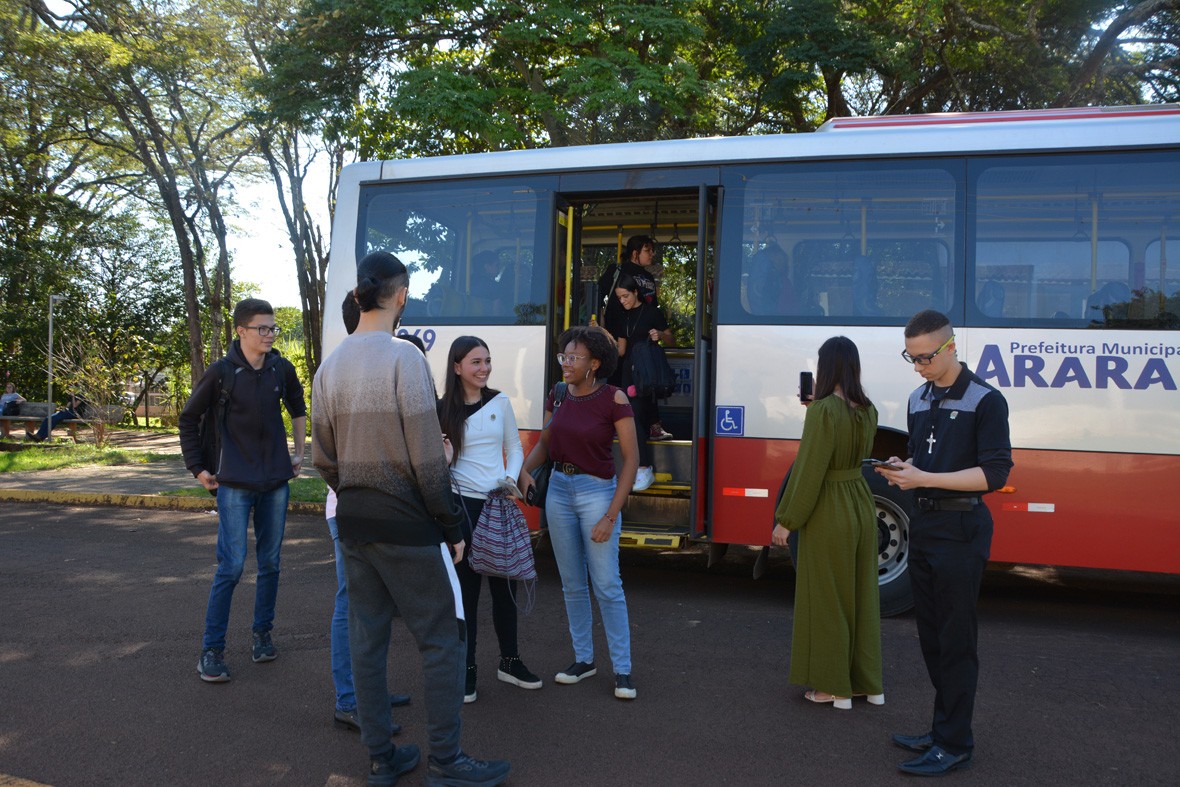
<point x="481" y="427"/>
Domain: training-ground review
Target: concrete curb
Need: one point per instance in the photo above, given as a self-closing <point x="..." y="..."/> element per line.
<point x="167" y="502"/>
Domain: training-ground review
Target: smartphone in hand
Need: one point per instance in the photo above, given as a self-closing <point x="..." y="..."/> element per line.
<point x="880" y="463"/>
<point x="806" y="387"/>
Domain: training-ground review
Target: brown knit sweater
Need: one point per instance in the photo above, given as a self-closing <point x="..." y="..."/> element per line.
<point x="376" y="441"/>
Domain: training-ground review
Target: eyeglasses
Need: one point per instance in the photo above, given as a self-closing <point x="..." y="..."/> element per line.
<point x="924" y="360"/>
<point x="265" y="330"/>
<point x="569" y="358"/>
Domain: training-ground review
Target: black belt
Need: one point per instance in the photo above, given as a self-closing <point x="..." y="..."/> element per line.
<point x="948" y="503"/>
<point x="569" y="468"/>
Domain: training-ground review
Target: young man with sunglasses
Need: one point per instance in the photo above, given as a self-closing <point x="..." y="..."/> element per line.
<point x="251" y="472"/>
<point x="959" y="450"/>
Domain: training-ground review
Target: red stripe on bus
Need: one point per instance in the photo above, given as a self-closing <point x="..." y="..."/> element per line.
<point x="1089" y="490"/>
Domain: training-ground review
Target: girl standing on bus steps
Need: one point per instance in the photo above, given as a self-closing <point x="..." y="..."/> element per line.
<point x="836" y="642"/>
<point x="640" y="322"/>
<point x="481" y="427"/>
<point x="585" y="499"/>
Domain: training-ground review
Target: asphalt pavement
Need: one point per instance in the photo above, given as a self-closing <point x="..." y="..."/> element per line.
<point x="101" y="609"/>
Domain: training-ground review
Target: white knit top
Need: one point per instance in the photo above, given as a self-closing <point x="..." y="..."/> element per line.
<point x="491" y="449"/>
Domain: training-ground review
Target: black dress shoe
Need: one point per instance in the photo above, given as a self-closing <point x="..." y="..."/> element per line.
<point x="349" y="720"/>
<point x="937" y="761"/>
<point x="918" y="743"/>
<point x="398" y="700"/>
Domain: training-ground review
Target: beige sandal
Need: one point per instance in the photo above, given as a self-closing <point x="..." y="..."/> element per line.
<point x="823" y="698"/>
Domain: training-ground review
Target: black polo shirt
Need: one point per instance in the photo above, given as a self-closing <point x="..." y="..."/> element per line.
<point x="958" y="428"/>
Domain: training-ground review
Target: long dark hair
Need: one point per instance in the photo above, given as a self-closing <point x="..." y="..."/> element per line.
<point x="451" y="412"/>
<point x="839" y="365"/>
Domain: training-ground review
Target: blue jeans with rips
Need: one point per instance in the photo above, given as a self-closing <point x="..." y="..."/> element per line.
<point x="270" y="520"/>
<point x="341" y="655"/>
<point x="573" y="505"/>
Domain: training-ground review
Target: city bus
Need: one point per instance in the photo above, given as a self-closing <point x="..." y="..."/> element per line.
<point x="1044" y="235"/>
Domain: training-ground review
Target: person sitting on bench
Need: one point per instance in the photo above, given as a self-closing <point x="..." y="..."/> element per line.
<point x="11" y="401"/>
<point x="74" y="409"/>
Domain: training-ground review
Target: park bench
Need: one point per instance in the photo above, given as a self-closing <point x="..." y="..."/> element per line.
<point x="33" y="413"/>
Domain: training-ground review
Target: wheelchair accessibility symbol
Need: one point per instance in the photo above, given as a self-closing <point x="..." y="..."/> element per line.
<point x="730" y="420"/>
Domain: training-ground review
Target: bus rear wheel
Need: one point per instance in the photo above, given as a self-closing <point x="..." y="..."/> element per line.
<point x="893" y="507"/>
<point x="893" y="544"/>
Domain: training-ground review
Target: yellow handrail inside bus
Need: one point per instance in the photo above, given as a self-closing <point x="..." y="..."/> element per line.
<point x="1093" y="244"/>
<point x="864" y="228"/>
<point x="569" y="263"/>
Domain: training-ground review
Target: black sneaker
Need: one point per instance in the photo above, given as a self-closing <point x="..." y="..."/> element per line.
<point x="385" y="771"/>
<point x="264" y="649"/>
<point x="624" y="688"/>
<point x="212" y="667"/>
<point x="465" y="770"/>
<point x="512" y="670"/>
<point x="469" y="693"/>
<point x="576" y="672"/>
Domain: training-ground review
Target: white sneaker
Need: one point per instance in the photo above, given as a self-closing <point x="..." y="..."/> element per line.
<point x="643" y="479"/>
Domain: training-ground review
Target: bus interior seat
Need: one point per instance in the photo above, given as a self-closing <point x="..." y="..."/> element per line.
<point x="864" y="287"/>
<point x="1109" y="295"/>
<point x="768" y="268"/>
<point x="991" y="299"/>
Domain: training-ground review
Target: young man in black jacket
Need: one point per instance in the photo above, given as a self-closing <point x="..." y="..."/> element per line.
<point x="250" y="472"/>
<point x="959" y="450"/>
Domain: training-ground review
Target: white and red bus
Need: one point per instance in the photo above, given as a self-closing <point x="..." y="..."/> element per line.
<point x="1043" y="234"/>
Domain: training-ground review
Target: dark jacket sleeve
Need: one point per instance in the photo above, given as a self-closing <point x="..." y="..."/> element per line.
<point x="993" y="444"/>
<point x="294" y="399"/>
<point x="202" y="398"/>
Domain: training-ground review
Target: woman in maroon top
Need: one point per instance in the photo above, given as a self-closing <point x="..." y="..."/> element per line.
<point x="585" y="499"/>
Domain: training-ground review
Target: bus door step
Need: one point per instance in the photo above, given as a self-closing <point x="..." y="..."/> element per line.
<point x="646" y="537"/>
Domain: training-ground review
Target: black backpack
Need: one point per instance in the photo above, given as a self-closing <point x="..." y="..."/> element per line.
<point x="650" y="370"/>
<point x="212" y="422"/>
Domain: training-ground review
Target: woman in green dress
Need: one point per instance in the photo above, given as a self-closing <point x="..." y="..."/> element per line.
<point x="836" y="643"/>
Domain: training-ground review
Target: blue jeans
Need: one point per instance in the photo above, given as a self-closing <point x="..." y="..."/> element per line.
<point x="574" y="504"/>
<point x="233" y="514"/>
<point x="341" y="655"/>
<point x="50" y="423"/>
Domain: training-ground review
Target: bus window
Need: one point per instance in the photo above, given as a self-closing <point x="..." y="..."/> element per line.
<point x="865" y="242"/>
<point x="470" y="249"/>
<point x="1076" y="241"/>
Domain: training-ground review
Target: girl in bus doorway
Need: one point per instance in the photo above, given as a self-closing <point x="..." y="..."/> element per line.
<point x="640" y="322"/>
<point x="836" y="642"/>
<point x="637" y="261"/>
<point x="585" y="500"/>
<point x="481" y="427"/>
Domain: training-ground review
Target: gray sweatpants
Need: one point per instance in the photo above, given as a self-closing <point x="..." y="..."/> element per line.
<point x="420" y="583"/>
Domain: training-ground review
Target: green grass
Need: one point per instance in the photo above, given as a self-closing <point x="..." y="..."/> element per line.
<point x="303" y="490"/>
<point x="51" y="457"/>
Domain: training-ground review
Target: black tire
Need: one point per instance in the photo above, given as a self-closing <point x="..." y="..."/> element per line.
<point x="894" y="507"/>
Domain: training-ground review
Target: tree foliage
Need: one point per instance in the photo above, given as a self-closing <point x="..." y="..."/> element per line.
<point x="408" y="77"/>
<point x="173" y="82"/>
